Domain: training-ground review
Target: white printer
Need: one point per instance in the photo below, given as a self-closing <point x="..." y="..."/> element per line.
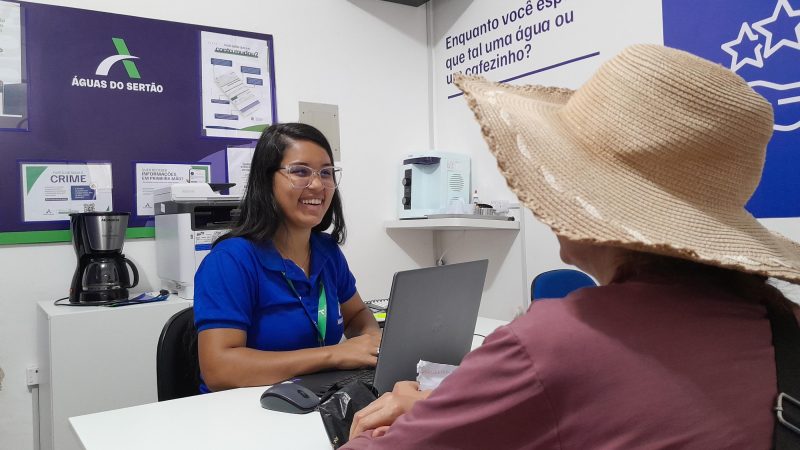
<point x="189" y="218"/>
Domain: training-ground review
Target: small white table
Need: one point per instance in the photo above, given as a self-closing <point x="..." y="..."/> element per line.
<point x="95" y="358"/>
<point x="231" y="419"/>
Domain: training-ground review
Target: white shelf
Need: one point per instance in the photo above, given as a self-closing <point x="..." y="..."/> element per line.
<point x="454" y="223"/>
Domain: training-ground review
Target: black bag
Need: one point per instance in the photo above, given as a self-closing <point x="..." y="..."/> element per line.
<point x="338" y="408"/>
<point x="786" y="340"/>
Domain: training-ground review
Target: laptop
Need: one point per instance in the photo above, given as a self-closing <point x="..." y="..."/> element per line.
<point x="431" y="316"/>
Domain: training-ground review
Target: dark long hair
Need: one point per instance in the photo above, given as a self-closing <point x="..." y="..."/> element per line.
<point x="260" y="214"/>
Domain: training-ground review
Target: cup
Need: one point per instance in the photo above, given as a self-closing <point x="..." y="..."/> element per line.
<point x="457" y="206"/>
<point x="484" y="210"/>
<point x="500" y="206"/>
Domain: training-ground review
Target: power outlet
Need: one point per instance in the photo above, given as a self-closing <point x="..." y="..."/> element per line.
<point x="32" y="376"/>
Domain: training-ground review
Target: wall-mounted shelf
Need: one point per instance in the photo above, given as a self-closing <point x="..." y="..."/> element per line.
<point x="452" y="224"/>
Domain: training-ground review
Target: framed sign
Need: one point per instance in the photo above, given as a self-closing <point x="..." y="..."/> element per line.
<point x="118" y="105"/>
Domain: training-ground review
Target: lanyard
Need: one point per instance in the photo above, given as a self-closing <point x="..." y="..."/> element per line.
<point x="321" y="323"/>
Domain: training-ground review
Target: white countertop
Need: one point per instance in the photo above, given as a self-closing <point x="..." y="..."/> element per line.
<point x="232" y="419"/>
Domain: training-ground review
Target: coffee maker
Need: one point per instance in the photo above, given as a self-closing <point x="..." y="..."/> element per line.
<point x="102" y="274"/>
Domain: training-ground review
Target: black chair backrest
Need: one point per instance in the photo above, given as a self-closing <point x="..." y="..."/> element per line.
<point x="177" y="364"/>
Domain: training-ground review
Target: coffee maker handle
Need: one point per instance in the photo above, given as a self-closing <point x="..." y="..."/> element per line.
<point x="135" y="273"/>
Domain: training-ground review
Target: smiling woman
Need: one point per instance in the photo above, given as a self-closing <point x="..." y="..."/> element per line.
<point x="263" y="294"/>
<point x="303" y="197"/>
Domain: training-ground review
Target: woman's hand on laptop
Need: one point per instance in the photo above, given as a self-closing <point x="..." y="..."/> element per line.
<point x="358" y="351"/>
<point x="381" y="413"/>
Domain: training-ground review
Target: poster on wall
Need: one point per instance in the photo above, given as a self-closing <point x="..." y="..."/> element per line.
<point x="514" y="40"/>
<point x="236" y="85"/>
<point x="152" y="176"/>
<point x="51" y="192"/>
<point x="13" y="96"/>
<point x="123" y="90"/>
<point x="550" y="42"/>
<point x="759" y="41"/>
<point x="239" y="161"/>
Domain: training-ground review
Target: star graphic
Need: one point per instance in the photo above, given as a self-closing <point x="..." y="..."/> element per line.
<point x="784" y="20"/>
<point x="754" y="49"/>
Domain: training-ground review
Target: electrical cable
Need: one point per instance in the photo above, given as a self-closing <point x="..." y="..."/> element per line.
<point x="105" y="303"/>
<point x="163" y="294"/>
<point x="440" y="260"/>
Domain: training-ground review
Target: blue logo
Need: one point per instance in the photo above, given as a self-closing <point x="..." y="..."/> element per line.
<point x="760" y="41"/>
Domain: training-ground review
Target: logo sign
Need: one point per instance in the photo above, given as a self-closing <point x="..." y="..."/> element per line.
<point x="759" y="41"/>
<point x="122" y="55"/>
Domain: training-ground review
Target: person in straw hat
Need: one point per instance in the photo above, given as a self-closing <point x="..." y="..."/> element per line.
<point x="643" y="174"/>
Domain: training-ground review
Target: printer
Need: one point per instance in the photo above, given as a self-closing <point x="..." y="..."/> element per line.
<point x="189" y="218"/>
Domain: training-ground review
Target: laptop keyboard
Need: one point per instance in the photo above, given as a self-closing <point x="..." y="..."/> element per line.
<point x="378" y="308"/>
<point x="378" y="305"/>
<point x="365" y="375"/>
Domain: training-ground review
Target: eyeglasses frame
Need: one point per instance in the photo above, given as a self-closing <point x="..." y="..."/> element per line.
<point x="337" y="175"/>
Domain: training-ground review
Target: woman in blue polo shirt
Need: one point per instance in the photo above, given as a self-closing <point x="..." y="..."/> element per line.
<point x="275" y="295"/>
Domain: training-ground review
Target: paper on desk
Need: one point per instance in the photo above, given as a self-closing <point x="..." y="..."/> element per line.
<point x="430" y="374"/>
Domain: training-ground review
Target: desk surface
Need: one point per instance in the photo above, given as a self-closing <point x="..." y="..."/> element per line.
<point x="229" y="419"/>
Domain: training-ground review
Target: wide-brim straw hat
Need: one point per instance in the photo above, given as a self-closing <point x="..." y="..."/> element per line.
<point x="658" y="151"/>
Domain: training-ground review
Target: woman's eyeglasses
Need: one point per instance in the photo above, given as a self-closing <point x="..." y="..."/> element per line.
<point x="300" y="176"/>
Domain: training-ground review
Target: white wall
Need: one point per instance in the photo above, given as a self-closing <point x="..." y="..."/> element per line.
<point x="370" y="58"/>
<point x="596" y="27"/>
<point x="367" y="56"/>
<point x="790" y="228"/>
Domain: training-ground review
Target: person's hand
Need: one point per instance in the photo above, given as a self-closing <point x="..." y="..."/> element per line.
<point x="381" y="413"/>
<point x="358" y="351"/>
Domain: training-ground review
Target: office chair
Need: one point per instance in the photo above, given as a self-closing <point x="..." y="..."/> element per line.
<point x="558" y="283"/>
<point x="177" y="364"/>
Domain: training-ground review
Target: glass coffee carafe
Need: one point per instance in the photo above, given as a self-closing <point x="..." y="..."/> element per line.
<point x="102" y="273"/>
<point x="107" y="273"/>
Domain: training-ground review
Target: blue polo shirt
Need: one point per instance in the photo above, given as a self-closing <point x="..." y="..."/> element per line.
<point x="240" y="284"/>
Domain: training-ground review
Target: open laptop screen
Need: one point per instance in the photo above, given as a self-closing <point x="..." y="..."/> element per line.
<point x="432" y="315"/>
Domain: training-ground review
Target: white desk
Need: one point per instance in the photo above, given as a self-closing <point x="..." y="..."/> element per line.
<point x="484" y="327"/>
<point x="230" y="419"/>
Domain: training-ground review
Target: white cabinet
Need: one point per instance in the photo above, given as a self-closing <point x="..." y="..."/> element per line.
<point x="93" y="359"/>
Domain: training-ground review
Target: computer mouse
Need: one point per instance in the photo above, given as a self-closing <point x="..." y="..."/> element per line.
<point x="290" y="398"/>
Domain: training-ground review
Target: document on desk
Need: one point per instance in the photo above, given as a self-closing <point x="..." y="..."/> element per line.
<point x="430" y="374"/>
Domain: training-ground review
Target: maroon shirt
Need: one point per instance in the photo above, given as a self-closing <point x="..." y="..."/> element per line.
<point x="641" y="364"/>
